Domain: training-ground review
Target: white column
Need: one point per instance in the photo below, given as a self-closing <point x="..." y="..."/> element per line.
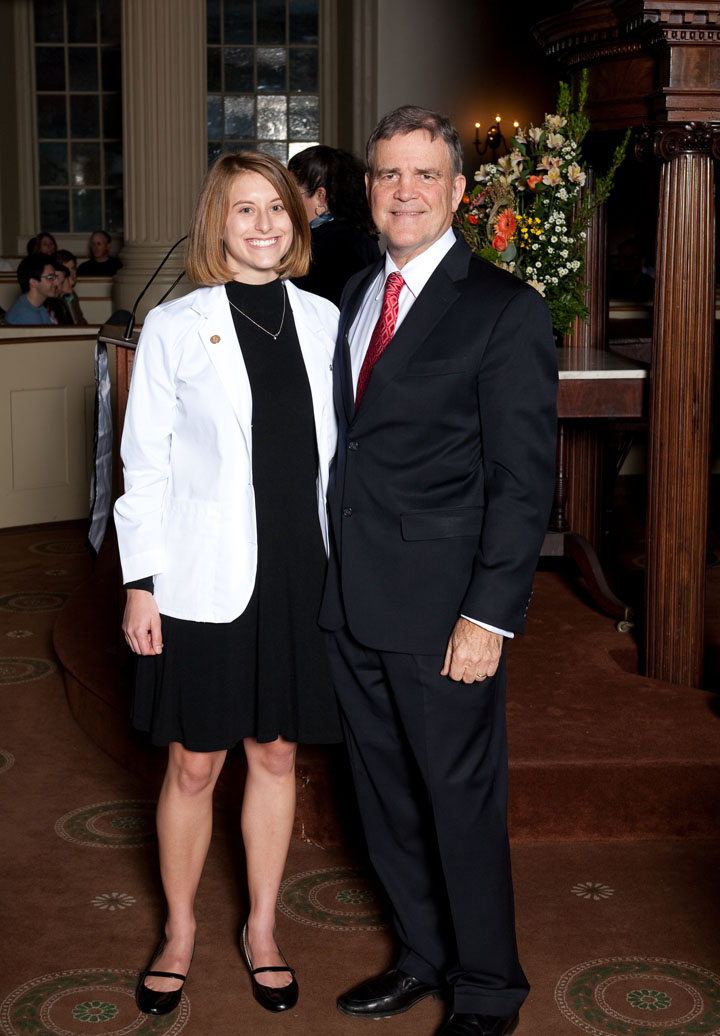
<point x="164" y="140"/>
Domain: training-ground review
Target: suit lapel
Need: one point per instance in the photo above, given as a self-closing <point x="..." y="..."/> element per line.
<point x="344" y="393"/>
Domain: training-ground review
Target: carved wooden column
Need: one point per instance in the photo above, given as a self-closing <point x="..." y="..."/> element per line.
<point x="164" y="139"/>
<point x="680" y="406"/>
<point x="584" y="443"/>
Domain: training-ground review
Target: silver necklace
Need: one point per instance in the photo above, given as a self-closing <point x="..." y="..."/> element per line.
<point x="273" y="336"/>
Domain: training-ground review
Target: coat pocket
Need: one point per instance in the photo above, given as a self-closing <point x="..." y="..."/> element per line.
<point x="437" y="525"/>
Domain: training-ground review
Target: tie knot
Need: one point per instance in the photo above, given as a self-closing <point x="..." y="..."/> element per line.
<point x="394" y="284"/>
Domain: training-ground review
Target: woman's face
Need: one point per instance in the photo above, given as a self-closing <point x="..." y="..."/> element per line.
<point x="258" y="230"/>
<point x="46" y="244"/>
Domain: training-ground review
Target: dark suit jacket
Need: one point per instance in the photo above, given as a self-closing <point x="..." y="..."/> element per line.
<point x="444" y="478"/>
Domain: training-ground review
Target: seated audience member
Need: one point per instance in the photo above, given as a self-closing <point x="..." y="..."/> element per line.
<point x="342" y="232"/>
<point x="56" y="304"/>
<point x="69" y="294"/>
<point x="44" y="243"/>
<point x="102" y="263"/>
<point x="36" y="276"/>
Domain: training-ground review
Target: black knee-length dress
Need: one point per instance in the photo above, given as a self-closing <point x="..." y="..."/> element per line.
<point x="264" y="674"/>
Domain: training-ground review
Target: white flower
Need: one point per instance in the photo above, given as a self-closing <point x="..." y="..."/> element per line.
<point x="535" y="132"/>
<point x="555" y="141"/>
<point x="554" y="122"/>
<point x="575" y="174"/>
<point x="564" y="253"/>
<point x="552" y="177"/>
<point x="538" y="286"/>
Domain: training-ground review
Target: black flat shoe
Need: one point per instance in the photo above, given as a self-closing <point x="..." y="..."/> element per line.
<point x="281" y="999"/>
<point x="385" y="995"/>
<point x="153" y="1001"/>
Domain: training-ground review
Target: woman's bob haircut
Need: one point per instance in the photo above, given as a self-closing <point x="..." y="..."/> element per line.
<point x="205" y="261"/>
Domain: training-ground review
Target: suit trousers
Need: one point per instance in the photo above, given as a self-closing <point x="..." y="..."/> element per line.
<point x="429" y="762"/>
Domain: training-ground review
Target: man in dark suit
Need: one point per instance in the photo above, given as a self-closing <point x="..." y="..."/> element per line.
<point x="445" y="387"/>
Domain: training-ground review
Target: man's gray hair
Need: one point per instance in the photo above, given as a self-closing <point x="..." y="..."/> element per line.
<point x="409" y="118"/>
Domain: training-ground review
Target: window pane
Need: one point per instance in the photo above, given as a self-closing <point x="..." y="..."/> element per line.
<point x="239" y="70"/>
<point x="272" y="118"/>
<point x="85" y="165"/>
<point x="87" y="210"/>
<point x="112" y="116"/>
<point x="52" y="120"/>
<point x="83" y="68"/>
<point x="214" y="118"/>
<point x="213" y="21"/>
<point x="271" y="66"/>
<point x="113" y="164"/>
<point x="111" y="68"/>
<point x="303" y="21"/>
<point x="304" y="118"/>
<point x="82" y="21"/>
<point x="49" y="21"/>
<point x="276" y="148"/>
<point x="50" y="68"/>
<point x="303" y="70"/>
<point x="296" y="148"/>
<point x="270" y="21"/>
<point x="240" y="117"/>
<point x="53" y="164"/>
<point x="113" y="211"/>
<point x="54" y="213"/>
<point x="214" y="70"/>
<point x="238" y="21"/>
<point x="110" y="21"/>
<point x="84" y="115"/>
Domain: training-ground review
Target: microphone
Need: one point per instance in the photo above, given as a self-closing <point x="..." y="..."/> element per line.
<point x="131" y="321"/>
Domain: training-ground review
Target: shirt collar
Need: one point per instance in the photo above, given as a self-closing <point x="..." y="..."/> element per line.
<point x="419" y="270"/>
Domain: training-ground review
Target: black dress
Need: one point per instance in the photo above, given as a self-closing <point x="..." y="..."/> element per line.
<point x="265" y="673"/>
<point x="338" y="251"/>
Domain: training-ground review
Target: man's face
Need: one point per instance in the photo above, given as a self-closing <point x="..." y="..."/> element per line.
<point x="412" y="192"/>
<point x="46" y="283"/>
<point x="99" y="247"/>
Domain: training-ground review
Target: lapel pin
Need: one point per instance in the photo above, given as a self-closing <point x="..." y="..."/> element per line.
<point x="215" y="339"/>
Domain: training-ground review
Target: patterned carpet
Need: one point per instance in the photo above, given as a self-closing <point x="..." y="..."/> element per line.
<point x="617" y="937"/>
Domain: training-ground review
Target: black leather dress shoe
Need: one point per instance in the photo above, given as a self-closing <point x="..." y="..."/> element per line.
<point x="478" y="1025"/>
<point x="152" y="1001"/>
<point x="281" y="999"/>
<point x="390" y="993"/>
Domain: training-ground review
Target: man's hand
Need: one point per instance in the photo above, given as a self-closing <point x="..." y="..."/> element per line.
<point x="473" y="653"/>
<point x="141" y="623"/>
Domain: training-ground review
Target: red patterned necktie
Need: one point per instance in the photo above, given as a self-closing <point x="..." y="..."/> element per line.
<point x="382" y="333"/>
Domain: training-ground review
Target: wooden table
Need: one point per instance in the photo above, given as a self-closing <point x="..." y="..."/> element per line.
<point x="595" y="385"/>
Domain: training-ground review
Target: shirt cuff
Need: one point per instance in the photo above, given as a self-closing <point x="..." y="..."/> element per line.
<point x="493" y="629"/>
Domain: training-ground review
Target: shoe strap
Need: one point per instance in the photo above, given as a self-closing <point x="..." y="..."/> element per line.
<point x="165" y="974"/>
<point x="256" y="971"/>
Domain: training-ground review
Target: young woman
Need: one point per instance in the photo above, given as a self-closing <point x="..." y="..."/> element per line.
<point x="222" y="530"/>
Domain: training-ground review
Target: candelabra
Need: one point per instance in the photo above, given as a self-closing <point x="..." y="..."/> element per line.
<point x="494" y="144"/>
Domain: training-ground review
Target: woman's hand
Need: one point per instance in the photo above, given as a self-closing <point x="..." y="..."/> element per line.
<point x="141" y="623"/>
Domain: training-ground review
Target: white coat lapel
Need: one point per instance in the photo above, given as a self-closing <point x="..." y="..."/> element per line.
<point x="217" y="332"/>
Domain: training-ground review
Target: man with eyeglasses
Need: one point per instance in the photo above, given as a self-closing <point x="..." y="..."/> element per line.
<point x="36" y="276"/>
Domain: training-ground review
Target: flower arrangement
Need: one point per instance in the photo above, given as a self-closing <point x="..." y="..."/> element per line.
<point x="529" y="214"/>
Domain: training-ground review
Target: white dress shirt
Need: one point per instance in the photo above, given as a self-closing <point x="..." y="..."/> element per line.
<point x="416" y="273"/>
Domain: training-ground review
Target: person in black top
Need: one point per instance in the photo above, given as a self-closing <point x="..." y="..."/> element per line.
<point x="343" y="235"/>
<point x="222" y="530"/>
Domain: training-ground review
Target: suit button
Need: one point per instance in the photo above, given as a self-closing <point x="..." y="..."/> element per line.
<point x="347" y="512"/>
<point x="353" y="444"/>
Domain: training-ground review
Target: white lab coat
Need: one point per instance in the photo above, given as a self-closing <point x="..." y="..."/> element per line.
<point x="187" y="516"/>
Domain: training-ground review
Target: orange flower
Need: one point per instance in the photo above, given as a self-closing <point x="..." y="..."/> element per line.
<point x="505" y="223"/>
<point x="466" y="199"/>
<point x="499" y="243"/>
<point x="532" y="180"/>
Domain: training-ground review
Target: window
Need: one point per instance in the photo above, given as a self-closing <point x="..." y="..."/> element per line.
<point x="79" y="113"/>
<point x="262" y="76"/>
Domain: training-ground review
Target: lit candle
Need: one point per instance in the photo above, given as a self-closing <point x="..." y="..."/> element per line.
<point x="477" y="132"/>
